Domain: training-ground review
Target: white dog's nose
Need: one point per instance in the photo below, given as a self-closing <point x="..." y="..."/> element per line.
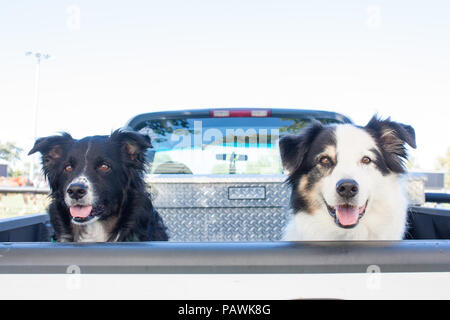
<point x="347" y="188"/>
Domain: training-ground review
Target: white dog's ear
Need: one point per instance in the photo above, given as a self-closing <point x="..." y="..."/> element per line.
<point x="293" y="148"/>
<point x="391" y="137"/>
<point x="392" y="134"/>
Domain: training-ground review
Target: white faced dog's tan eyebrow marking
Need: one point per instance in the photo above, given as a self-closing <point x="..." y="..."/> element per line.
<point x="329" y="151"/>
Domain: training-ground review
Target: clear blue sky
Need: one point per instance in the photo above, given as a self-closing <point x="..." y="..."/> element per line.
<point x="115" y="59"/>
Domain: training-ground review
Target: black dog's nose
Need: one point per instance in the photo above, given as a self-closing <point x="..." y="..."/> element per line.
<point x="347" y="188"/>
<point x="77" y="190"/>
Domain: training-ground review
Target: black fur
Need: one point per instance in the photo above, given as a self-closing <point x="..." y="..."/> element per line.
<point x="298" y="155"/>
<point x="127" y="209"/>
<point x="391" y="138"/>
<point x="294" y="148"/>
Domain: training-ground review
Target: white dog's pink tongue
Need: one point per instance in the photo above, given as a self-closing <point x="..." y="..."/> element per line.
<point x="347" y="215"/>
<point x="80" y="211"/>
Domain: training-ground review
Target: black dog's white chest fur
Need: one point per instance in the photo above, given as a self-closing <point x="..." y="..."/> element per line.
<point x="93" y="232"/>
<point x="347" y="181"/>
<point x="98" y="191"/>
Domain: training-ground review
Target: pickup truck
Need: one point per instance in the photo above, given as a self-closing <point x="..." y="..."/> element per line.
<point x="216" y="178"/>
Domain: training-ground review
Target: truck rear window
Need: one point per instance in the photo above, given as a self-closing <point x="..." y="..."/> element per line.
<point x="219" y="145"/>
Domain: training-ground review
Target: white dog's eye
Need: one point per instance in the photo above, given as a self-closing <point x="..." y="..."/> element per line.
<point x="325" y="161"/>
<point x="366" y="160"/>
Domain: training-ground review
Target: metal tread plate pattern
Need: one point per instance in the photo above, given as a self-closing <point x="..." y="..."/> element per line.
<point x="221" y="208"/>
<point x="219" y="195"/>
<point x="224" y="224"/>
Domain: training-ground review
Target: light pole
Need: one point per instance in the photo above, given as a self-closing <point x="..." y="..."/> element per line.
<point x="38" y="56"/>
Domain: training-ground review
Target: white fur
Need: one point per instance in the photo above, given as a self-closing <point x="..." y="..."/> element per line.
<point x="93" y="232"/>
<point x="385" y="216"/>
<point x="88" y="199"/>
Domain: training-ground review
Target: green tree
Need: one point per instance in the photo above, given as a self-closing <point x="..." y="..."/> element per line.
<point x="444" y="161"/>
<point x="10" y="152"/>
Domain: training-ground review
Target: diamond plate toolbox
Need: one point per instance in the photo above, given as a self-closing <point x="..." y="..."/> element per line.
<point x="221" y="208"/>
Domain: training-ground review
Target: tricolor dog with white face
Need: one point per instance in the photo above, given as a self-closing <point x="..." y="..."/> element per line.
<point x="347" y="181"/>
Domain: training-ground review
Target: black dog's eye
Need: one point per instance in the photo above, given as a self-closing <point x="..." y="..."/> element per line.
<point x="366" y="160"/>
<point x="325" y="161"/>
<point x="104" y="167"/>
<point x="68" y="168"/>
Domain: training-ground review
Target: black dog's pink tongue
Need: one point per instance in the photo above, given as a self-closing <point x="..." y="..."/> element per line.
<point x="80" y="211"/>
<point x="347" y="215"/>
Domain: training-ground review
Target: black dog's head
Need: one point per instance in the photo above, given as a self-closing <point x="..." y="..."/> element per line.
<point x="91" y="176"/>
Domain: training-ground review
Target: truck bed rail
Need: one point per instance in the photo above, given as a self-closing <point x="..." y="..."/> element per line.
<point x="437" y="197"/>
<point x="32" y="190"/>
<point x="223" y="258"/>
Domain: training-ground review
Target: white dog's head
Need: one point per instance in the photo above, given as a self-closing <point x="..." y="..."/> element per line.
<point x="338" y="168"/>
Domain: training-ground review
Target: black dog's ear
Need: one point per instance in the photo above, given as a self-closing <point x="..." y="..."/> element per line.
<point x="132" y="145"/>
<point x="52" y="148"/>
<point x="293" y="148"/>
<point x="392" y="137"/>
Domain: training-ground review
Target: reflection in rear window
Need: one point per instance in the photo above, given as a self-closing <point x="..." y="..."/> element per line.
<point x="218" y="145"/>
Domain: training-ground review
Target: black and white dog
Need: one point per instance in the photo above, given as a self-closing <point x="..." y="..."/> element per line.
<point x="347" y="181"/>
<point x="97" y="189"/>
